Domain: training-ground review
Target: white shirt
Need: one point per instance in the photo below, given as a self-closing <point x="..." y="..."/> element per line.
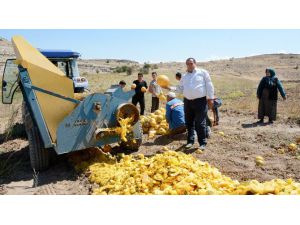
<point x="196" y="85"/>
<point x="155" y="88"/>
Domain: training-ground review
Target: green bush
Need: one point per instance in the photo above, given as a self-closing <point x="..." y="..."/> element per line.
<point x="123" y="69"/>
<point x="129" y="70"/>
<point x="155" y="67"/>
<point x="145" y="69"/>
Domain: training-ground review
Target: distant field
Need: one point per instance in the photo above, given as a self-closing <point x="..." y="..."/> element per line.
<point x="237" y="93"/>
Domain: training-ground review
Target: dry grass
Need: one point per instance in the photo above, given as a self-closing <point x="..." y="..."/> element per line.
<point x="233" y="82"/>
<point x="290" y="110"/>
<point x="237" y="93"/>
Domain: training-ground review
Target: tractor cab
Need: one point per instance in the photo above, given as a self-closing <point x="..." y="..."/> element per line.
<point x="66" y="61"/>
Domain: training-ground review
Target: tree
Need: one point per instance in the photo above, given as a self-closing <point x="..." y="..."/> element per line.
<point x="145" y="69"/>
<point x="155" y="67"/>
<point x="129" y="70"/>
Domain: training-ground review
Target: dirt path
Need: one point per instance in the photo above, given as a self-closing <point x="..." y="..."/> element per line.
<point x="233" y="153"/>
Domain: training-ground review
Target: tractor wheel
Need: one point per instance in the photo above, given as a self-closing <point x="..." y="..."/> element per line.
<point x="131" y="145"/>
<point x="39" y="156"/>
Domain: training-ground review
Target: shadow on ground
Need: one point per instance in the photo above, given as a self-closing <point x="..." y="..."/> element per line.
<point x="165" y="140"/>
<point x="15" y="166"/>
<point x="255" y="124"/>
<point x="14" y="132"/>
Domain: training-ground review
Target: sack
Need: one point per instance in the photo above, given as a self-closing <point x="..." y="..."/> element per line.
<point x="217" y="103"/>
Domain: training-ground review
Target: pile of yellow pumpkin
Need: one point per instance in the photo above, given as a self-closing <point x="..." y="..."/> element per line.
<point x="155" y="123"/>
<point x="174" y="173"/>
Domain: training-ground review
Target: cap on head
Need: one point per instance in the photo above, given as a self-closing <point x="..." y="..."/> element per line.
<point x="171" y="94"/>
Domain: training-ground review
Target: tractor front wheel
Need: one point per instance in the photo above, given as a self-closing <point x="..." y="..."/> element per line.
<point x="39" y="156"/>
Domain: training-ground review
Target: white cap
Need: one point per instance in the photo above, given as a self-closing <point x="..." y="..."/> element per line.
<point x="171" y="94"/>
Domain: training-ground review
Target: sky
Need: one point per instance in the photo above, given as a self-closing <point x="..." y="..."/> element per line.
<point x="162" y="45"/>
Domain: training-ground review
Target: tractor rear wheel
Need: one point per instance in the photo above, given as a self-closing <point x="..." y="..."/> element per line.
<point x="39" y="156"/>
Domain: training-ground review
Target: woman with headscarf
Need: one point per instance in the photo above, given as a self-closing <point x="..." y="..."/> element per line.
<point x="267" y="93"/>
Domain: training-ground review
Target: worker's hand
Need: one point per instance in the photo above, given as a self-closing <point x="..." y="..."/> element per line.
<point x="284" y="98"/>
<point x="210" y="103"/>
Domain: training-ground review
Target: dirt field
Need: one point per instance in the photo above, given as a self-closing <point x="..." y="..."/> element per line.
<point x="232" y="153"/>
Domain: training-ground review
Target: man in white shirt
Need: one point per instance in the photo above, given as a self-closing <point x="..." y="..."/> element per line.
<point x="198" y="92"/>
<point x="155" y="90"/>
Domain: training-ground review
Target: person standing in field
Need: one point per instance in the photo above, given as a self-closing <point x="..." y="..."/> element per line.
<point x="198" y="92"/>
<point x="178" y="76"/>
<point x="267" y="93"/>
<point x="155" y="90"/>
<point x="140" y="89"/>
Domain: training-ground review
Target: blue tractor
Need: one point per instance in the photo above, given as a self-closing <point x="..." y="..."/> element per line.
<point x="58" y="120"/>
<point x="66" y="61"/>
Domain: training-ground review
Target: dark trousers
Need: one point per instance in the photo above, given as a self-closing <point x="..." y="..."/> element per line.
<point x="141" y="100"/>
<point x="155" y="104"/>
<point x="195" y="119"/>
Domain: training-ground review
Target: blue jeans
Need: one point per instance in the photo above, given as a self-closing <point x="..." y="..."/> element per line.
<point x="195" y="119"/>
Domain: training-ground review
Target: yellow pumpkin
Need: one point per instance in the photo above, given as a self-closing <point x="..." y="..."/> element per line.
<point x="157" y="112"/>
<point x="292" y="147"/>
<point x="152" y="122"/>
<point x="259" y="160"/>
<point x="162" y="97"/>
<point x="159" y="118"/>
<point x="161" y="131"/>
<point x="163" y="81"/>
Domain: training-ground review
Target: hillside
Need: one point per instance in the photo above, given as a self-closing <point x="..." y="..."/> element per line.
<point x="286" y="66"/>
